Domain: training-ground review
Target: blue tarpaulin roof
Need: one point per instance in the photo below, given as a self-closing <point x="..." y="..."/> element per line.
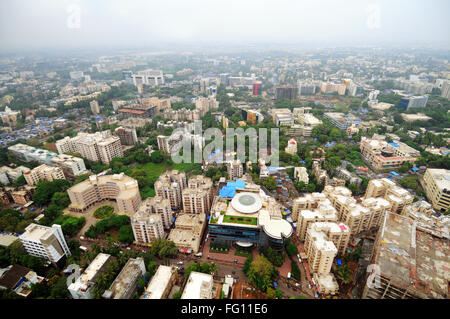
<point x="394" y="144"/>
<point x="394" y="173"/>
<point x="415" y="169"/>
<point x="230" y="189"/>
<point x="339" y="262"/>
<point x="303" y="162"/>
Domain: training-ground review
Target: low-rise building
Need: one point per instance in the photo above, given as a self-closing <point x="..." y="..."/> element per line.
<point x="198" y="286"/>
<point x="43" y="172"/>
<point x="161" y="283"/>
<point x="126" y="283"/>
<point x="326" y="283"/>
<point x="307" y="121"/>
<point x="28" y="153"/>
<point x="19" y="279"/>
<point x="83" y="286"/>
<point x="9" y="175"/>
<point x="188" y="232"/>
<point x="381" y="155"/>
<point x="245" y="215"/>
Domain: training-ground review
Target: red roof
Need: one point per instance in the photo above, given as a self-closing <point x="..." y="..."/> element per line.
<point x="132" y="111"/>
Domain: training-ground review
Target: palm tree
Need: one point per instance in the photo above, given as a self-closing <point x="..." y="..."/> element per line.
<point x="344" y="274"/>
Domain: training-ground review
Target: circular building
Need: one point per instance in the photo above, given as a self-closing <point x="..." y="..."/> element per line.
<point x="246" y="203"/>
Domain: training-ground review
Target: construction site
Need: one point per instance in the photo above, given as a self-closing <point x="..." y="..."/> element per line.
<point x="412" y="263"/>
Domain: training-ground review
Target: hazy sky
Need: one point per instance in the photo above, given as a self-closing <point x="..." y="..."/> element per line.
<point x="54" y="23"/>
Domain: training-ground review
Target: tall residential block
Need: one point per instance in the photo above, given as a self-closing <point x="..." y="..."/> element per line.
<point x="170" y="186"/>
<point x="437" y="187"/>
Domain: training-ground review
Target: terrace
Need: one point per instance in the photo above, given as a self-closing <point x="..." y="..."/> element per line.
<point x="240" y="220"/>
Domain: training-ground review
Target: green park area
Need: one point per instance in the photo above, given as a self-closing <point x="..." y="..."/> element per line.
<point x="103" y="212"/>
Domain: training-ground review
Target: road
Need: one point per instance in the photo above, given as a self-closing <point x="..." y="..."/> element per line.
<point x="226" y="266"/>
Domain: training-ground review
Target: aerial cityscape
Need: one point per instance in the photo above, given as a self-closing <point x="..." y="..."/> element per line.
<point x="267" y="164"/>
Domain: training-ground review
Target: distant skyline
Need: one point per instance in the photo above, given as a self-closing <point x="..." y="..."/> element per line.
<point x="66" y="24"/>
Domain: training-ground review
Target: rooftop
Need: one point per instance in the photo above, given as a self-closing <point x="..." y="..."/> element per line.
<point x="413" y="258"/>
<point x="127" y="186"/>
<point x="197" y="285"/>
<point x="159" y="283"/>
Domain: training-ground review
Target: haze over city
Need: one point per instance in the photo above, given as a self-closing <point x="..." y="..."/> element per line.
<point x="79" y="23"/>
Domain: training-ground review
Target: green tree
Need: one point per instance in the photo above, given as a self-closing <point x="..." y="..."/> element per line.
<point x="260" y="273"/>
<point x="177" y="295"/>
<point x="270" y="183"/>
<point x="126" y="235"/>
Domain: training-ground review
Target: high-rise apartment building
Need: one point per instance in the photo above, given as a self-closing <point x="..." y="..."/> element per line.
<point x="71" y="166"/>
<point x="127" y="136"/>
<point x="411" y="262"/>
<point x="195" y="201"/>
<point x="203" y="183"/>
<point x="158" y="205"/>
<point x="319" y="249"/>
<point x="45" y="242"/>
<point x="170" y="186"/>
<point x="146" y="226"/>
<point x="205" y="104"/>
<point x="99" y="146"/>
<point x="397" y="196"/>
<point x="95" y="108"/>
<point x="445" y="91"/>
<point x="235" y="169"/>
<point x="289" y="92"/>
<point x="436" y="183"/>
